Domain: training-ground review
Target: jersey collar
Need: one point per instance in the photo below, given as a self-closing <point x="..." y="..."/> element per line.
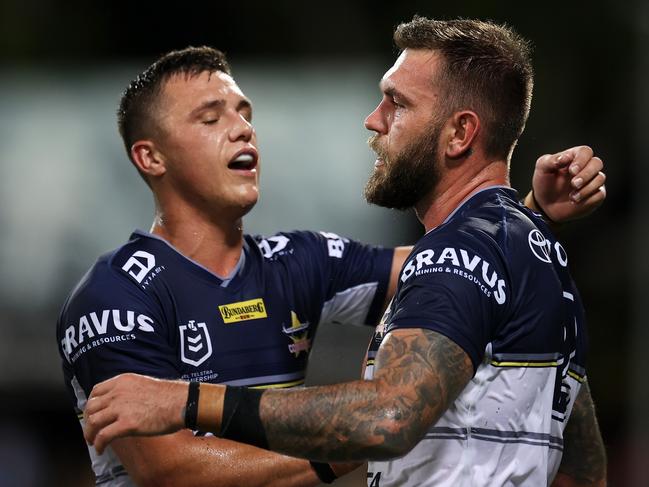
<point x="225" y="280"/>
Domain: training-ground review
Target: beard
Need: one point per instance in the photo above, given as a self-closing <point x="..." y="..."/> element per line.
<point x="408" y="176"/>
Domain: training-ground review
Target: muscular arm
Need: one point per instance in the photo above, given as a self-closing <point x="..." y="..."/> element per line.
<point x="419" y="373"/>
<point x="183" y="459"/>
<point x="584" y="459"/>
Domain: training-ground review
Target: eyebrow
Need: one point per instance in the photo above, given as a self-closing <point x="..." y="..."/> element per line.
<point x="244" y="104"/>
<point x="208" y="105"/>
<point x="394" y="93"/>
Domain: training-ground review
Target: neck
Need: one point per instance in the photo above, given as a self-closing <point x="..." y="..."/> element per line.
<point x="455" y="186"/>
<point x="215" y="243"/>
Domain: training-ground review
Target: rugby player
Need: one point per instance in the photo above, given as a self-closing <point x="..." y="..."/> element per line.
<point x="196" y="299"/>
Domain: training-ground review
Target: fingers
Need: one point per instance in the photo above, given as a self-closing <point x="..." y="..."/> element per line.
<point x="575" y="158"/>
<point x="103" y="387"/>
<point x="549" y="163"/>
<point x="583" y="167"/>
<point x="586" y="174"/>
<point x="98" y="414"/>
<point x="109" y="433"/>
<point x="579" y="157"/>
<point x="593" y="192"/>
<point x="589" y="204"/>
<point x="108" y="385"/>
<point x="95" y="426"/>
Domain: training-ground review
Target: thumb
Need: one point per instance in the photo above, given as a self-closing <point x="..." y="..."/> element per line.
<point x="549" y="163"/>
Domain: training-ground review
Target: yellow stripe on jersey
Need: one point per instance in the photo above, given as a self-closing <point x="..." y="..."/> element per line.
<point x="524" y="364"/>
<point x="576" y="376"/>
<point x="280" y="385"/>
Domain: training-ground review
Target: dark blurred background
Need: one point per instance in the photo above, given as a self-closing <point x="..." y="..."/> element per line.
<point x="68" y="193"/>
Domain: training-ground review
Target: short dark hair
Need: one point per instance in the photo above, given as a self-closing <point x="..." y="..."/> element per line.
<point x="487" y="69"/>
<point x="135" y="114"/>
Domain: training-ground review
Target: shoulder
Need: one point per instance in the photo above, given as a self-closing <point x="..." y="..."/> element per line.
<point x="109" y="304"/>
<point x="495" y="215"/>
<point x="472" y="248"/>
<point x="301" y="242"/>
<point x="495" y="221"/>
<point x="115" y="279"/>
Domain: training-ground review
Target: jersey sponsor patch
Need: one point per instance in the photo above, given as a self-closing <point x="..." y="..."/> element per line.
<point x="543" y="249"/>
<point x="101" y="327"/>
<point x="252" y="309"/>
<point x="195" y="343"/>
<point x="141" y="266"/>
<point x="273" y="246"/>
<point x="335" y="244"/>
<point x="460" y="263"/>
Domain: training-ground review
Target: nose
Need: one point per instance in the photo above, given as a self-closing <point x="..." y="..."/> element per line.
<point x="376" y="121"/>
<point x="242" y="129"/>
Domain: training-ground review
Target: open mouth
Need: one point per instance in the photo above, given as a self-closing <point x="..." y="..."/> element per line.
<point x="244" y="161"/>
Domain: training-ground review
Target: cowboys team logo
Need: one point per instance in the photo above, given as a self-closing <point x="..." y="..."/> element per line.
<point x="299" y="335"/>
<point x="195" y="343"/>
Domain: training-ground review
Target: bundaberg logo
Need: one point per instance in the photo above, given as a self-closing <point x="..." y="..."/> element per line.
<point x="252" y="309"/>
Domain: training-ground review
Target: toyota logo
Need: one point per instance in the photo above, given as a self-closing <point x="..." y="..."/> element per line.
<point x="540" y="246"/>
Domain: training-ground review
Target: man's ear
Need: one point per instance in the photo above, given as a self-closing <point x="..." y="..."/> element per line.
<point x="463" y="127"/>
<point x="148" y="160"/>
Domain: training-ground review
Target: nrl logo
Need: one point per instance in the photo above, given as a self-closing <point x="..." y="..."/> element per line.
<point x="195" y="343"/>
<point x="298" y="333"/>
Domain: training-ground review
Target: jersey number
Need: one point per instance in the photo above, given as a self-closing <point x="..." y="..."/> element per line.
<point x="562" y="385"/>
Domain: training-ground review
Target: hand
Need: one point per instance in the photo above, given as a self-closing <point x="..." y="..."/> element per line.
<point x="132" y="404"/>
<point x="570" y="184"/>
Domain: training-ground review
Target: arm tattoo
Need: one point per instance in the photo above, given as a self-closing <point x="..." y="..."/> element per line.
<point x="418" y="375"/>
<point x="584" y="457"/>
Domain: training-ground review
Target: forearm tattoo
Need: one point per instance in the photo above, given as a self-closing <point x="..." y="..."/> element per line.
<point x="584" y="457"/>
<point x="418" y="374"/>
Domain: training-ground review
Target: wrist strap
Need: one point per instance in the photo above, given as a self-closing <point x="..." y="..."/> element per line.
<point x="324" y="472"/>
<point x="191" y="408"/>
<point x="240" y="419"/>
<point x="540" y="210"/>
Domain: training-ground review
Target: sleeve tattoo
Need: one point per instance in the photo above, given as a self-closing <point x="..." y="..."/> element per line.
<point x="584" y="457"/>
<point x="418" y="375"/>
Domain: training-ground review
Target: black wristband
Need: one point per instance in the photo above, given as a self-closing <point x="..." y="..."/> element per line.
<point x="540" y="210"/>
<point x="324" y="472"/>
<point x="240" y="420"/>
<point x="191" y="408"/>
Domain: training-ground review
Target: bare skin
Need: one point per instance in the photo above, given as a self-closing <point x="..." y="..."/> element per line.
<point x="205" y="121"/>
<point x="584" y="458"/>
<point x="419" y="374"/>
<point x="381" y="418"/>
<point x="576" y="194"/>
<point x="425" y="383"/>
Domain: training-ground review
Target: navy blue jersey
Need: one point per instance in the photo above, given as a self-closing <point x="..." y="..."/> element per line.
<point x="493" y="279"/>
<point x="148" y="309"/>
